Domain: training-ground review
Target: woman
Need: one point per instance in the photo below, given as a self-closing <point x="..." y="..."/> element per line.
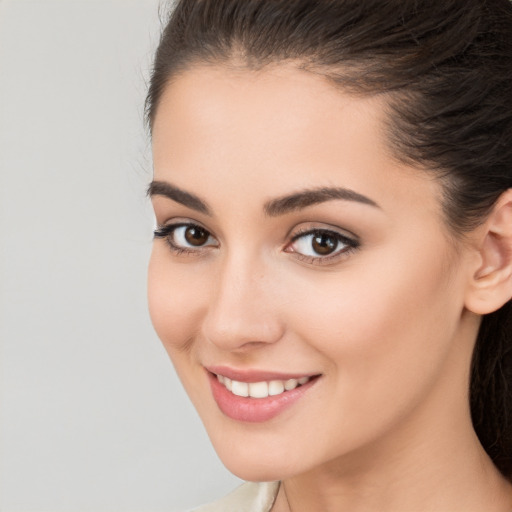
<point x="332" y="268"/>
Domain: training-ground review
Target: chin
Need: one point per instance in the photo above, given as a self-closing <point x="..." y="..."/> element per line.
<point x="255" y="459"/>
<point x="254" y="471"/>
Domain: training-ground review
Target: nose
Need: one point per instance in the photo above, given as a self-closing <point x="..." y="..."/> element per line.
<point x="242" y="312"/>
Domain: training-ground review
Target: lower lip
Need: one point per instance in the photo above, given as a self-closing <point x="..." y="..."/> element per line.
<point x="255" y="410"/>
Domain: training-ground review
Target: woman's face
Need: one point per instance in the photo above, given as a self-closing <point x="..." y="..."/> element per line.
<point x="293" y="248"/>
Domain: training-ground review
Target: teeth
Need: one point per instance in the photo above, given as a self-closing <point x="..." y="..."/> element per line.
<point x="240" y="388"/>
<point x="291" y="384"/>
<point x="261" y="389"/>
<point x="258" y="389"/>
<point x="275" y="387"/>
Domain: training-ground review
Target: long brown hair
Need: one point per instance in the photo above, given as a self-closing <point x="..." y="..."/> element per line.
<point x="446" y="66"/>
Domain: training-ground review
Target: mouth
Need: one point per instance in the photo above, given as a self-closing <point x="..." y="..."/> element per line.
<point x="261" y="389"/>
<point x="257" y="396"/>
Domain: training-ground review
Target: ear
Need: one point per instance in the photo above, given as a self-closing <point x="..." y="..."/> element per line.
<point x="491" y="282"/>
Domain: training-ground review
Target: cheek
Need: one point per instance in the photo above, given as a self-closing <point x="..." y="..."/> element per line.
<point x="175" y="298"/>
<point x="384" y="326"/>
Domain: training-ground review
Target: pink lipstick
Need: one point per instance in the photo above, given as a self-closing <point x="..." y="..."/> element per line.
<point x="256" y="396"/>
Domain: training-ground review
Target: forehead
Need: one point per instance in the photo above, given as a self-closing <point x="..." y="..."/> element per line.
<point x="295" y="105"/>
<point x="276" y="130"/>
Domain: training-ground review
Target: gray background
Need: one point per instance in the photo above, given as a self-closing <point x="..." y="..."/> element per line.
<point x="92" y="417"/>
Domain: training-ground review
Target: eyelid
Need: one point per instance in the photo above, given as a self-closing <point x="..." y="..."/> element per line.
<point x="176" y="222"/>
<point x="313" y="231"/>
<point x="314" y="227"/>
<point x="352" y="243"/>
<point x="166" y="232"/>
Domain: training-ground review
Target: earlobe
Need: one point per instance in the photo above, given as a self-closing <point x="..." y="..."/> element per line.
<point x="491" y="281"/>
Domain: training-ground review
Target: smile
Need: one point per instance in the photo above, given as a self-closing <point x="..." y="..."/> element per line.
<point x="261" y="389"/>
<point x="256" y="397"/>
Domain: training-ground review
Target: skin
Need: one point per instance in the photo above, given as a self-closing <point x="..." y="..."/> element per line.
<point x="387" y="426"/>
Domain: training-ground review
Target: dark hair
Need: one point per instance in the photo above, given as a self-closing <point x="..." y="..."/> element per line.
<point x="446" y="67"/>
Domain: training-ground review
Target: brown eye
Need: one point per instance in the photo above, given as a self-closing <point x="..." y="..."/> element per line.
<point x="186" y="237"/>
<point x="196" y="236"/>
<point x="321" y="245"/>
<point x="324" y="243"/>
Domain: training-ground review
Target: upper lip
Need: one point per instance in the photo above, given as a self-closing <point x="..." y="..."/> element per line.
<point x="253" y="375"/>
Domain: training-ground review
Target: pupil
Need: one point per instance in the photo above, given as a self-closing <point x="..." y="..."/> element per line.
<point x="324" y="244"/>
<point x="196" y="236"/>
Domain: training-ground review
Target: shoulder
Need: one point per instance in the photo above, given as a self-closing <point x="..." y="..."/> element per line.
<point x="248" y="497"/>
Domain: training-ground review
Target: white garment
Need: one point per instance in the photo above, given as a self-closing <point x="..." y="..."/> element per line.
<point x="249" y="497"/>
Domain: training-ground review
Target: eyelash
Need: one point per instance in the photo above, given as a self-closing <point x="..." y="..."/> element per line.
<point x="351" y="244"/>
<point x="166" y="232"/>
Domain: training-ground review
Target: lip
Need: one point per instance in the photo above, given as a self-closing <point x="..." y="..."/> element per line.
<point x="255" y="410"/>
<point x="254" y="375"/>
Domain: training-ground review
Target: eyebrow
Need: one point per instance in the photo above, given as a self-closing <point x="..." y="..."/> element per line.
<point x="273" y="208"/>
<point x="163" y="188"/>
<point x="305" y="198"/>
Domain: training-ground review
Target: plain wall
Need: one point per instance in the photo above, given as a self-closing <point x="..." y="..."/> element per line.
<point x="92" y="416"/>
